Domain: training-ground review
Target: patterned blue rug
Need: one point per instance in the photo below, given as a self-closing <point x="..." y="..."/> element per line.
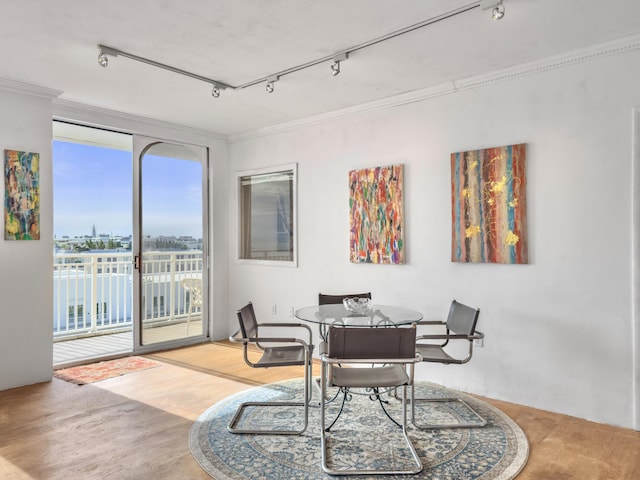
<point x="362" y="436"/>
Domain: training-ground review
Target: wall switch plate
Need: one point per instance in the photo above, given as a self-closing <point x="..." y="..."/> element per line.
<point x="478" y="342"/>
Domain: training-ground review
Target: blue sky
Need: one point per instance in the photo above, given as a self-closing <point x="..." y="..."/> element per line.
<point x="93" y="186"/>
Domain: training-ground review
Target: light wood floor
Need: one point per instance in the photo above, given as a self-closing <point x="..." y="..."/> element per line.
<point x="136" y="426"/>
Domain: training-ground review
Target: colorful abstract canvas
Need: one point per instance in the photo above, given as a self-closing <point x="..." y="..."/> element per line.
<point x="21" y="195"/>
<point x="488" y="191"/>
<point x="376" y="220"/>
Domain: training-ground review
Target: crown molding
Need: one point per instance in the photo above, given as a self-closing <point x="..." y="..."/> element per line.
<point x="28" y="89"/>
<point x="551" y="63"/>
<point x="404" y="98"/>
<point x="124" y="122"/>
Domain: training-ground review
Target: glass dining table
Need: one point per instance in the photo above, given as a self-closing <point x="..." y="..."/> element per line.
<point x="376" y="317"/>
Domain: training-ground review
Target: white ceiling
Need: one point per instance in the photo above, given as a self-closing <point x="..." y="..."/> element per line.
<point x="53" y="44"/>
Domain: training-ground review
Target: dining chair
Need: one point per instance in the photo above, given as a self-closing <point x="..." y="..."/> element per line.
<point x="367" y="358"/>
<point x="274" y="351"/>
<point x="193" y="286"/>
<point x="325" y="299"/>
<point x="460" y="327"/>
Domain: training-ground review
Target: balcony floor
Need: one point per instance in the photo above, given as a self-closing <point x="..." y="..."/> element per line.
<point x="84" y="350"/>
<point x="67" y="353"/>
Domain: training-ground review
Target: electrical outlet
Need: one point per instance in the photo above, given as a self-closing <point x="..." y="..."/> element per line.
<point x="274" y="310"/>
<point x="478" y="342"/>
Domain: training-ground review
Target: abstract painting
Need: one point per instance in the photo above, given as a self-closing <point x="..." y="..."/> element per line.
<point x="376" y="215"/>
<point x="21" y="195"/>
<point x="489" y="205"/>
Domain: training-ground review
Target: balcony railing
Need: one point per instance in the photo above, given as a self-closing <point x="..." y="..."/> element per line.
<point x="93" y="292"/>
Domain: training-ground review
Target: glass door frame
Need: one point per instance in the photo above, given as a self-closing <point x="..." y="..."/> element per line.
<point x="141" y="144"/>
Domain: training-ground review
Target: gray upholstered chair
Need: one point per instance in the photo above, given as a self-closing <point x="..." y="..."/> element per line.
<point x="368" y="358"/>
<point x="274" y="352"/>
<point x="460" y="327"/>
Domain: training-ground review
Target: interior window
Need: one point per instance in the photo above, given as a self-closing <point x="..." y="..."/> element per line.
<point x="267" y="229"/>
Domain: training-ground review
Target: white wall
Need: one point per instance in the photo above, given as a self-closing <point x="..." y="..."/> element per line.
<point x="26" y="280"/>
<point x="558" y="330"/>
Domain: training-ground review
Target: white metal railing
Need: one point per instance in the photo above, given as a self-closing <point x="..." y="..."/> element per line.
<point x="93" y="292"/>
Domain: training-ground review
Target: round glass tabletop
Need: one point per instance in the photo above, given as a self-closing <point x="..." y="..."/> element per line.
<point x="378" y="315"/>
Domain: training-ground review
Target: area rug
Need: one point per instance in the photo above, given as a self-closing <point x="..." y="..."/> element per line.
<point x="362" y="436"/>
<point x="95" y="372"/>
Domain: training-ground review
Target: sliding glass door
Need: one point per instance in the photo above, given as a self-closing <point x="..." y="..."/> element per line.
<point x="130" y="244"/>
<point x="170" y="251"/>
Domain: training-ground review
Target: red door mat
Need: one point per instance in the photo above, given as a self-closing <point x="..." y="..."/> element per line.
<point x="95" y="372"/>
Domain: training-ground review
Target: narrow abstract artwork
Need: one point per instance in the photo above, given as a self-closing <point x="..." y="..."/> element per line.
<point x="376" y="215"/>
<point x="21" y="195"/>
<point x="489" y="205"/>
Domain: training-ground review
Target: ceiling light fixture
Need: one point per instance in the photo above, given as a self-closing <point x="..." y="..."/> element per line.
<point x="498" y="11"/>
<point x="497" y="7"/>
<point x="103" y="60"/>
<point x="335" y="68"/>
<point x="270" y="83"/>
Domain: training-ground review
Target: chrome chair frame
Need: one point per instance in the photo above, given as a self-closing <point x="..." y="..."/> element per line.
<point x="288" y="351"/>
<point x="394" y="348"/>
<point x="460" y="325"/>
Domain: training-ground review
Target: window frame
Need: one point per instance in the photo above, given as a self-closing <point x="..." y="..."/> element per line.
<point x="286" y="168"/>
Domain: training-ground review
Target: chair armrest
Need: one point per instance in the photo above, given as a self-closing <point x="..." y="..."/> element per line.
<point x="451" y="336"/>
<point x="430" y="322"/>
<point x="279" y="324"/>
<point x="290" y="325"/>
<point x="278" y="340"/>
<point x="236" y="337"/>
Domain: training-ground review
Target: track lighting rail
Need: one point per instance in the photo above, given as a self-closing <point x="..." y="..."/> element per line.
<point x="217" y="86"/>
<point x="114" y="52"/>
